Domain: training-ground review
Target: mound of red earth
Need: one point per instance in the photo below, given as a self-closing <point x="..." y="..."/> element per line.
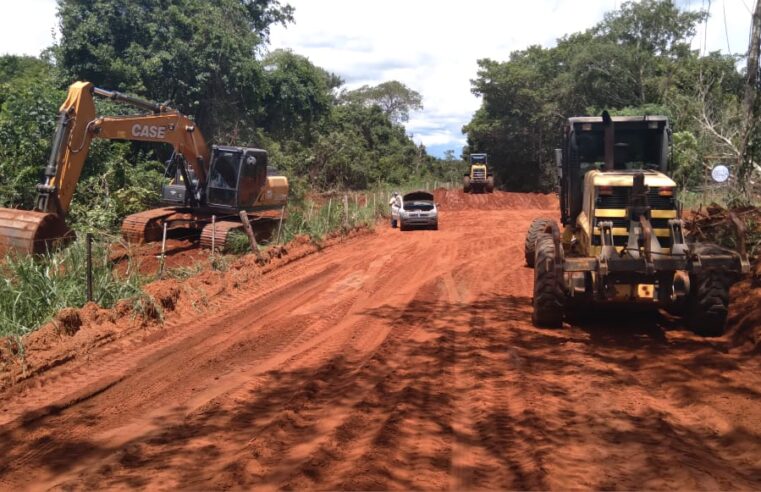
<point x="456" y="199"/>
<point x="712" y="224"/>
<point x="744" y="323"/>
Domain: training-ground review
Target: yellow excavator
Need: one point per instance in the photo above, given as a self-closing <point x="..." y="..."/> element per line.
<point x="208" y="190"/>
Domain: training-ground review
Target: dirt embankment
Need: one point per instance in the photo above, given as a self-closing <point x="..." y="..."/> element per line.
<point x="455" y="199"/>
<point x="712" y="223"/>
<point x="73" y="333"/>
<point x="392" y="360"/>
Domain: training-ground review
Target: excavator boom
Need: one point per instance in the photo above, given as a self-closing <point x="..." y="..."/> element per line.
<point x="35" y="231"/>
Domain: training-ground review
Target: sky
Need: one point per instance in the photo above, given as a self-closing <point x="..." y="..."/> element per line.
<point x="432" y="46"/>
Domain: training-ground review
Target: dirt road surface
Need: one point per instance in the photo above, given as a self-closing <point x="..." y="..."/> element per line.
<point x="395" y="360"/>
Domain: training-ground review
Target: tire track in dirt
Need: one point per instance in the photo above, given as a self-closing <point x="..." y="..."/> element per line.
<point x="392" y="361"/>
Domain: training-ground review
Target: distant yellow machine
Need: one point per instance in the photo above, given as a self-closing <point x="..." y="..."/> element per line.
<point x="221" y="181"/>
<point x="478" y="179"/>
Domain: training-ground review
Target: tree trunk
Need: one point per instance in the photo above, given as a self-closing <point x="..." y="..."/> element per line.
<point x="749" y="99"/>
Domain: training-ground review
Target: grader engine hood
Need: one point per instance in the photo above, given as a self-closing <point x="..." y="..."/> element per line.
<point x="478" y="172"/>
<point x="653" y="179"/>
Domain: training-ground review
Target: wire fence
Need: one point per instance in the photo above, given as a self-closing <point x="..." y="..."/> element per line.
<point x="100" y="266"/>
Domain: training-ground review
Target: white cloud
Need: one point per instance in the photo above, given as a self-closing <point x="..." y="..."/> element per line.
<point x="26" y="28"/>
<point x="432" y="46"/>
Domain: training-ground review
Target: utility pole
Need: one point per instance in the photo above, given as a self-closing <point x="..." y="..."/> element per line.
<point x="749" y="99"/>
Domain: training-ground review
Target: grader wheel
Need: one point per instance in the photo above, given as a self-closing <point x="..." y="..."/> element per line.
<point x="537" y="227"/>
<point x="708" y="304"/>
<point x="548" y="292"/>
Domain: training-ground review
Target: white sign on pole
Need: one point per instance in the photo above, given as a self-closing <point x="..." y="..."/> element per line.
<point x="720" y="173"/>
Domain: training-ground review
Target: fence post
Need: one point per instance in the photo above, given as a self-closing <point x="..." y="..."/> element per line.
<point x="280" y="224"/>
<point x="346" y="211"/>
<point x="330" y="203"/>
<point x="213" y="235"/>
<point x="250" y="233"/>
<point x="163" y="252"/>
<point x="89" y="266"/>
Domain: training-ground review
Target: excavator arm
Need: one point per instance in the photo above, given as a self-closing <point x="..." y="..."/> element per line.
<point x="78" y="124"/>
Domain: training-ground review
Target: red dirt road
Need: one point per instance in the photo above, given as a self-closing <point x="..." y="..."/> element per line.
<point x="395" y="360"/>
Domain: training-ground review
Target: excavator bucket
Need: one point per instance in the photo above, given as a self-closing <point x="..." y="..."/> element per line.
<point x="27" y="232"/>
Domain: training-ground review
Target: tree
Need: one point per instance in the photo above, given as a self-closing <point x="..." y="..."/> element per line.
<point x="749" y="98"/>
<point x="394" y="98"/>
<point x="297" y="96"/>
<point x="200" y="55"/>
<point x="636" y="61"/>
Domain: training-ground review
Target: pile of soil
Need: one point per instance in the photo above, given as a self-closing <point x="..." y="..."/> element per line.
<point x="712" y="224"/>
<point x="456" y="199"/>
<point x="744" y="322"/>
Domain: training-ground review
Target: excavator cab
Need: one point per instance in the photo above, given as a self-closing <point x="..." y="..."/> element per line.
<point x="236" y="177"/>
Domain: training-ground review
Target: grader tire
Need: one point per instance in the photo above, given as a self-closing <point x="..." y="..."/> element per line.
<point x="708" y="304"/>
<point x="537" y="227"/>
<point x="466" y="186"/>
<point x="490" y="184"/>
<point x="548" y="293"/>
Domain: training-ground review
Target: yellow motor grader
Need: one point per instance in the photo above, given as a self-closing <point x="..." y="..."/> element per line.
<point x="622" y="241"/>
<point x="208" y="183"/>
<point x="478" y="179"/>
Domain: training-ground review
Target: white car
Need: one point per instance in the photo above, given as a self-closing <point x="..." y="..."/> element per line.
<point x="418" y="209"/>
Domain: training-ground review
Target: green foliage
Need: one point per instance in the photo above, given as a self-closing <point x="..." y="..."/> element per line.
<point x="27" y="121"/>
<point x="636" y="61"/>
<point x="15" y="70"/>
<point x="394" y="98"/>
<point x="198" y="54"/>
<point x="121" y="183"/>
<point x="687" y="168"/>
<point x="298" y="95"/>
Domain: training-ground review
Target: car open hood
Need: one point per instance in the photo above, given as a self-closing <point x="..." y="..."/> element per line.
<point x="418" y="196"/>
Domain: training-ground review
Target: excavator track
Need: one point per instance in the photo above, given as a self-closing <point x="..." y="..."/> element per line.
<point x="26" y="231"/>
<point x="145" y="227"/>
<point x="218" y="233"/>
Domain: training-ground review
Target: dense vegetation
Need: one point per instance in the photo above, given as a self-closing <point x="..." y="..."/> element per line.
<point x="210" y="59"/>
<point x="637" y="60"/>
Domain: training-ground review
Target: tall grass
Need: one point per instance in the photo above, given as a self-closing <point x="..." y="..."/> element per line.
<point x="34" y="288"/>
